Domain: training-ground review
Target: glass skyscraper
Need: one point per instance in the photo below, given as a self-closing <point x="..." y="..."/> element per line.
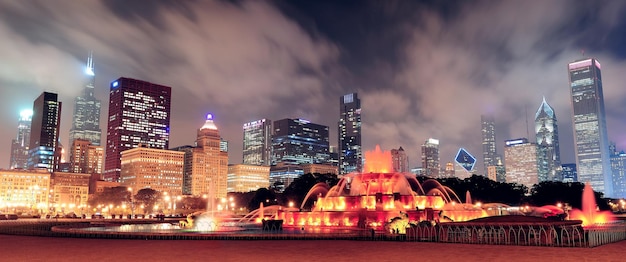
<point x="490" y="156"/>
<point x="139" y="113"/>
<point x="430" y="158"/>
<point x="257" y="142"/>
<point x="298" y="141"/>
<point x="350" y="148"/>
<point x="548" y="153"/>
<point x="521" y="162"/>
<point x="590" y="134"/>
<point x="86" y="123"/>
<point x="44" y="135"/>
<point x="20" y="144"/>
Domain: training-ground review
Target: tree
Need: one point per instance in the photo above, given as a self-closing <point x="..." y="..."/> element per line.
<point x="300" y="186"/>
<point x="111" y="196"/>
<point x="262" y="195"/>
<point x="552" y="192"/>
<point x="147" y="197"/>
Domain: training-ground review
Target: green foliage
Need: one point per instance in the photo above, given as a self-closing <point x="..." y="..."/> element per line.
<point x="147" y="197"/>
<point x="112" y="195"/>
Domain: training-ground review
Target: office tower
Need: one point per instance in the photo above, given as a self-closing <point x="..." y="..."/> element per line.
<point x="521" y="162"/>
<point x="497" y="172"/>
<point x="85" y="157"/>
<point x="298" y="141"/>
<point x="209" y="172"/>
<point x="590" y="133"/>
<point x="488" y="125"/>
<point x="399" y="160"/>
<point x="430" y="158"/>
<point x="548" y="153"/>
<point x="257" y="142"/>
<point x="246" y="178"/>
<point x="350" y="148"/>
<point x="187" y="166"/>
<point x="569" y="173"/>
<point x="465" y="163"/>
<point x="86" y="121"/>
<point x="281" y="175"/>
<point x="618" y="169"/>
<point x="44" y="135"/>
<point x="139" y="113"/>
<point x="20" y="144"/>
<point x="159" y="169"/>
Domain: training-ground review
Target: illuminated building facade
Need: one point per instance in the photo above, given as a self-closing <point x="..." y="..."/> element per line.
<point x="569" y="172"/>
<point x="350" y="148"/>
<point x="521" y="162"/>
<point x="490" y="155"/>
<point x="257" y="142"/>
<point x="497" y="172"/>
<point x="399" y="160"/>
<point x="24" y="190"/>
<point x="618" y="167"/>
<point x="19" y="145"/>
<point x="464" y="164"/>
<point x="589" y="123"/>
<point x="319" y="169"/>
<point x="430" y="158"/>
<point x="44" y="136"/>
<point x="209" y="167"/>
<point x="70" y="192"/>
<point x="86" y="121"/>
<point x="187" y="166"/>
<point x="281" y="175"/>
<point x="548" y="152"/>
<point x="158" y="169"/>
<point x="246" y="178"/>
<point x="298" y="141"/>
<point x="139" y="113"/>
<point x="85" y="157"/>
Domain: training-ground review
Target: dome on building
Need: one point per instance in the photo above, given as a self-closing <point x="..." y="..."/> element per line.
<point x="209" y="123"/>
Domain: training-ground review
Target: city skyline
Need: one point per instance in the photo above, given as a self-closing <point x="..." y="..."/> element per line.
<point x="240" y="78"/>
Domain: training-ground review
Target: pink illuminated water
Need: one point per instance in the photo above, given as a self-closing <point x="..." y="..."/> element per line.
<point x="589" y="213"/>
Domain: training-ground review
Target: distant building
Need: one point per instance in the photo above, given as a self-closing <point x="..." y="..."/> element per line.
<point x="139" y="113"/>
<point x="399" y="160"/>
<point x="85" y="157"/>
<point x="320" y="169"/>
<point x="246" y="178"/>
<point x="86" y="121"/>
<point x="298" y="141"/>
<point x="158" y="169"/>
<point x="209" y="172"/>
<point x="569" y="172"/>
<point x="464" y="164"/>
<point x="19" y="145"/>
<point x="548" y="152"/>
<point x="497" y="172"/>
<point x="282" y="175"/>
<point x="257" y="142"/>
<point x="24" y="190"/>
<point x="187" y="167"/>
<point x="350" y="147"/>
<point x="449" y="171"/>
<point x="430" y="158"/>
<point x="490" y="154"/>
<point x="521" y="162"/>
<point x="44" y="136"/>
<point x="618" y="167"/>
<point x="223" y="145"/>
<point x="593" y="160"/>
<point x="70" y="192"/>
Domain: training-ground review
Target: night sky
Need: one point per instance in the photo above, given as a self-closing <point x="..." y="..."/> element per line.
<point x="422" y="68"/>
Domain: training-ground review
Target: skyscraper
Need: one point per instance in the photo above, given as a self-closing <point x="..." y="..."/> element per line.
<point x="350" y="149"/>
<point x="548" y="153"/>
<point x="430" y="158"/>
<point x="20" y="144"/>
<point x="589" y="123"/>
<point x="257" y="142"/>
<point x="86" y="123"/>
<point x="209" y="172"/>
<point x="44" y="135"/>
<point x="521" y="162"/>
<point x="618" y="168"/>
<point x="399" y="160"/>
<point x="139" y="113"/>
<point x="298" y="141"/>
<point x="490" y="154"/>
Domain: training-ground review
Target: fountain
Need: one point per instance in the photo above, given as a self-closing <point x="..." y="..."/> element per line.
<point x="378" y="196"/>
<point x="588" y="213"/>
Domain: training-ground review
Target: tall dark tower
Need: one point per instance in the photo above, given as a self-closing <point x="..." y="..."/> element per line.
<point x="257" y="142"/>
<point x="591" y="141"/>
<point x="86" y="123"/>
<point x="139" y="113"/>
<point x="490" y="156"/>
<point x="548" y="153"/>
<point x="350" y="148"/>
<point x="44" y="135"/>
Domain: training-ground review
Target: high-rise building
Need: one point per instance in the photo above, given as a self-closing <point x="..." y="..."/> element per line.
<point x="159" y="169"/>
<point x="465" y="163"/>
<point x="430" y="158"/>
<point x="521" y="162"/>
<point x="569" y="173"/>
<point x="209" y="172"/>
<point x="246" y="178"/>
<point x="139" y="113"/>
<point x="590" y="132"/>
<point x="399" y="160"/>
<point x="281" y="175"/>
<point x="85" y="157"/>
<point x="497" y="173"/>
<point x="350" y="148"/>
<point x="44" y="135"/>
<point x="490" y="154"/>
<point x="19" y="145"/>
<point x="86" y="121"/>
<point x="298" y="141"/>
<point x="618" y="168"/>
<point x="257" y="142"/>
<point x="548" y="152"/>
<point x="187" y="167"/>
